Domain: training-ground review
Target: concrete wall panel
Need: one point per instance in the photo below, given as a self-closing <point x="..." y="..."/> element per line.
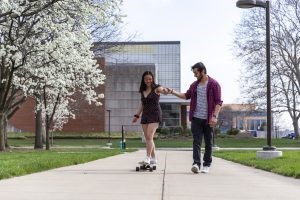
<point x="122" y="96"/>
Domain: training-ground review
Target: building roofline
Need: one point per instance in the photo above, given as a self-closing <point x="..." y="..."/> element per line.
<point x="130" y="64"/>
<point x="137" y="42"/>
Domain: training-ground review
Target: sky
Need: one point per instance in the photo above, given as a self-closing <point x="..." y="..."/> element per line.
<point x="204" y="29"/>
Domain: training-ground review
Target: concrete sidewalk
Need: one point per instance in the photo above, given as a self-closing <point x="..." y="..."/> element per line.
<point x="115" y="178"/>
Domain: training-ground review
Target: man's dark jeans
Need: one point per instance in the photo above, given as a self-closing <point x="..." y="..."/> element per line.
<point x="200" y="128"/>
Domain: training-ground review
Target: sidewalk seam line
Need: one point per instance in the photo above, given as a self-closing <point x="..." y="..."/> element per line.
<point x="163" y="182"/>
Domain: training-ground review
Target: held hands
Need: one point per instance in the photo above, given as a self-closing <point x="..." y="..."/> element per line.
<point x="169" y="90"/>
<point x="166" y="90"/>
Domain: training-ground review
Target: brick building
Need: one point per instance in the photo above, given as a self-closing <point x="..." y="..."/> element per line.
<point x="89" y="118"/>
<point x="123" y="70"/>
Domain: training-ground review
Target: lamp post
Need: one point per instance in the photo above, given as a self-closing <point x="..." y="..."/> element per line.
<point x="109" y="142"/>
<point x="266" y="5"/>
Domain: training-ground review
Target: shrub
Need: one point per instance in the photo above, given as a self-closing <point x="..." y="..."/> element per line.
<point x="176" y="130"/>
<point x="217" y="131"/>
<point x="158" y="129"/>
<point x="164" y="131"/>
<point x="187" y="132"/>
<point x="233" y="131"/>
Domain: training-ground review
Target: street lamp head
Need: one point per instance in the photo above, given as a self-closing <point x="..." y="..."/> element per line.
<point x="250" y="3"/>
<point x="245" y="3"/>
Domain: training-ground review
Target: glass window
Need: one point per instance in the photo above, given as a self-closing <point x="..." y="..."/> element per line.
<point x="240" y="124"/>
<point x="251" y="124"/>
<point x="170" y="114"/>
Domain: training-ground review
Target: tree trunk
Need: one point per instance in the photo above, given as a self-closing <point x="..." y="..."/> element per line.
<point x="38" y="144"/>
<point x="47" y="135"/>
<point x="2" y="137"/>
<point x="5" y="132"/>
<point x="47" y="139"/>
<point x="44" y="132"/>
<point x="296" y="127"/>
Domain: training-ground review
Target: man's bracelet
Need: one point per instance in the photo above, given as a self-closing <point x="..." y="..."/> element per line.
<point x="137" y="116"/>
<point x="215" y="116"/>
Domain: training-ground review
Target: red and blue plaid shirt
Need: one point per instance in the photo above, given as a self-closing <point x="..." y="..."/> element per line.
<point x="213" y="92"/>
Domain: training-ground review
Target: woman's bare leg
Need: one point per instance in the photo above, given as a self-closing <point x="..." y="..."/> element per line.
<point x="149" y="134"/>
<point x="145" y="128"/>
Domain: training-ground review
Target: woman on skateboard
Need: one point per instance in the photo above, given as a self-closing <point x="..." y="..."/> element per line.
<point x="151" y="113"/>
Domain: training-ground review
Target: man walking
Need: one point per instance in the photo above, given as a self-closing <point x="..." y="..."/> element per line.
<point x="205" y="105"/>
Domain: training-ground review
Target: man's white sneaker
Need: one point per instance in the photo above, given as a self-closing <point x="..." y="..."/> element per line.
<point x="195" y="168"/>
<point x="205" y="169"/>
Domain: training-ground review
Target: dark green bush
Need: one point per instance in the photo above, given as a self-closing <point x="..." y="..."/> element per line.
<point x="164" y="131"/>
<point x="217" y="131"/>
<point x="187" y="132"/>
<point x="233" y="131"/>
<point x="176" y="130"/>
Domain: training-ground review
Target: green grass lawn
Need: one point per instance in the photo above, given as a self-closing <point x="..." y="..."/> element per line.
<point x="287" y="165"/>
<point x="255" y="142"/>
<point x="159" y="142"/>
<point x="21" y="162"/>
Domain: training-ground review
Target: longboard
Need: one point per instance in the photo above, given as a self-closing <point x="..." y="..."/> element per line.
<point x="144" y="167"/>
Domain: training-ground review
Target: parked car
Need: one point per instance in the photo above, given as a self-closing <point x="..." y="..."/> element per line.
<point x="290" y="136"/>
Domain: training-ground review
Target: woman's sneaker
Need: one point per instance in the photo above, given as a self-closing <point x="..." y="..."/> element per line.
<point x="153" y="161"/>
<point x="146" y="161"/>
<point x="195" y="168"/>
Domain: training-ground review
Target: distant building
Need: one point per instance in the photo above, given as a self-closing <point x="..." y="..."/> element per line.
<point x="123" y="63"/>
<point x="164" y="56"/>
<point x="121" y="94"/>
<point x="243" y="117"/>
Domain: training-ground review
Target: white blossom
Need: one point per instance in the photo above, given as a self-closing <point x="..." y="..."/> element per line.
<point x="98" y="104"/>
<point x="101" y="96"/>
<point x="56" y="55"/>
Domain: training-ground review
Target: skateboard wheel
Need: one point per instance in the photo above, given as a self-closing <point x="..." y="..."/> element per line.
<point x="154" y="167"/>
<point x="151" y="169"/>
<point x="137" y="169"/>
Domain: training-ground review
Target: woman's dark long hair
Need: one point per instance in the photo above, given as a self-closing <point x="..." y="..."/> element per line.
<point x="143" y="86"/>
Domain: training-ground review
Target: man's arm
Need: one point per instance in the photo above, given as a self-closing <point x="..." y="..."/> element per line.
<point x="218" y="104"/>
<point x="217" y="110"/>
<point x="181" y="95"/>
<point x="218" y="101"/>
<point x="178" y="94"/>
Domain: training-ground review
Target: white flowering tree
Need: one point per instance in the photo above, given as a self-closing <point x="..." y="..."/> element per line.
<point x="45" y="53"/>
<point x="63" y="77"/>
